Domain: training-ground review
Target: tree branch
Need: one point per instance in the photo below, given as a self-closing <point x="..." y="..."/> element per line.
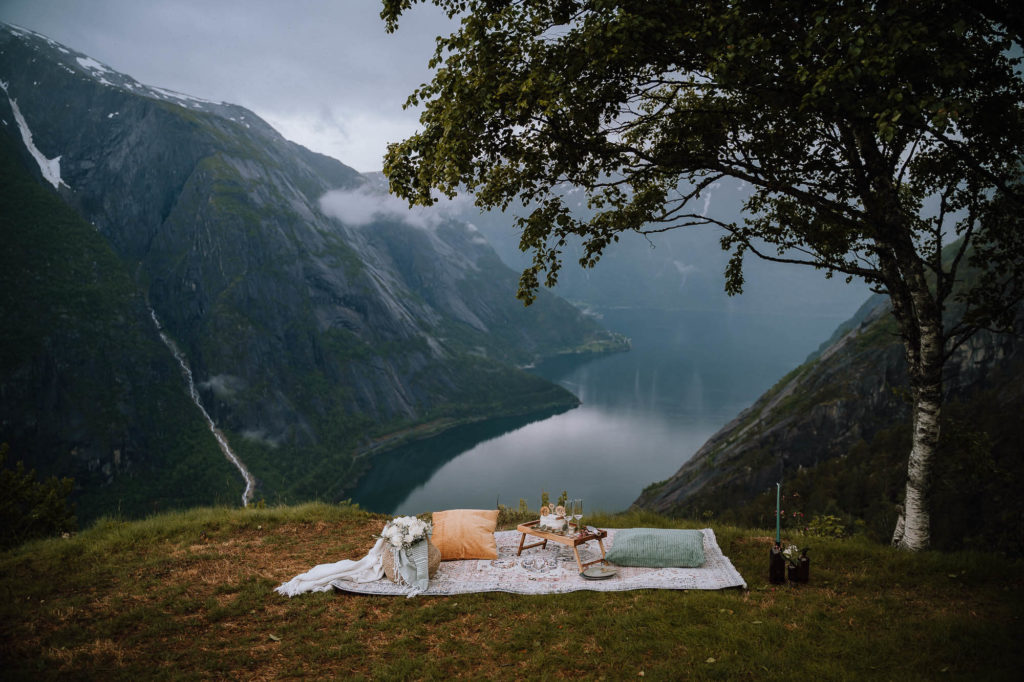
<point x="968" y="158"/>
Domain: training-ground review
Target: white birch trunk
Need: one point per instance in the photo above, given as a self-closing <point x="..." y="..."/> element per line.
<point x="913" y="530"/>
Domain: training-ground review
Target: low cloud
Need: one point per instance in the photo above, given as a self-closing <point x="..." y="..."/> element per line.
<point x="224" y="386"/>
<point x="260" y="436"/>
<point x="356" y="138"/>
<point x="477" y="236"/>
<point x="684" y="271"/>
<point x="365" y="205"/>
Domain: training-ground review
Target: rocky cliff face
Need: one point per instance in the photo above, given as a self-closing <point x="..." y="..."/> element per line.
<point x="315" y="317"/>
<point x="841" y="420"/>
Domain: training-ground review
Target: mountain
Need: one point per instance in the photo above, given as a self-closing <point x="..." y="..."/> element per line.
<point x="836" y="433"/>
<point x="87" y="387"/>
<point x="316" y="319"/>
<point x="677" y="270"/>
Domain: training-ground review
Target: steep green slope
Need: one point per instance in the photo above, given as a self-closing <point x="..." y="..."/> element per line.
<point x="836" y="433"/>
<point x="87" y="389"/>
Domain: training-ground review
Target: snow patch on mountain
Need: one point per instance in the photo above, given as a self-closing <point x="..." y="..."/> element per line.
<point x="178" y="96"/>
<point x="93" y="65"/>
<point x="50" y="168"/>
<point x="77" y="63"/>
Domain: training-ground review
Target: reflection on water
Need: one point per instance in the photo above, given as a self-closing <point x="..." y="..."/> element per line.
<point x="644" y="414"/>
<point x="399" y="473"/>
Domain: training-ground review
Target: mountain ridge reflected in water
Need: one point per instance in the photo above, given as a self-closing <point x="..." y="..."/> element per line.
<point x="397" y="473"/>
<point x="643" y="414"/>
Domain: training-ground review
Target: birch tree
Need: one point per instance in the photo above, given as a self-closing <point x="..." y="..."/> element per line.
<point x="879" y="140"/>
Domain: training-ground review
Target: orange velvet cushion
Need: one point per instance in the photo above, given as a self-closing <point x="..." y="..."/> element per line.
<point x="465" y="533"/>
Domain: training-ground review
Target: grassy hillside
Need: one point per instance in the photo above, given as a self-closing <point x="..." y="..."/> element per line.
<point x="189" y="595"/>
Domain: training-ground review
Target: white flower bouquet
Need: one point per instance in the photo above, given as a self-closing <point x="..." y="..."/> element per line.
<point x="792" y="554"/>
<point x="402" y="532"/>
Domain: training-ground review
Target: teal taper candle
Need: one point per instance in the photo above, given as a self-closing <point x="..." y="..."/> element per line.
<point x="778" y="515"/>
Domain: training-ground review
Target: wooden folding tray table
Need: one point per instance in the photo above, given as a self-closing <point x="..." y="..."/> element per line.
<point x="573" y="541"/>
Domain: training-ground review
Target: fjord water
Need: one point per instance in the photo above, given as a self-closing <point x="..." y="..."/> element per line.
<point x="643" y="414"/>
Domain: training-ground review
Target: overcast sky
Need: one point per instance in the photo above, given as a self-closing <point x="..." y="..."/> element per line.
<point x="323" y="72"/>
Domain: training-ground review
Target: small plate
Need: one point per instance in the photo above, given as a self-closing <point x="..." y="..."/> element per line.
<point x="599" y="572"/>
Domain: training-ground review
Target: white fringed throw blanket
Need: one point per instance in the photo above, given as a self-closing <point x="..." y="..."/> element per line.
<point x="411" y="565"/>
<point x="319" y="578"/>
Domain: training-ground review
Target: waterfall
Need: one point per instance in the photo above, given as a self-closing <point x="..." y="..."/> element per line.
<point x="250" y="482"/>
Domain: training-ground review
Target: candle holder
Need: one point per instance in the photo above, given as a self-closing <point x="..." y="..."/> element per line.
<point x="776" y="562"/>
<point x="776" y="565"/>
<point x="800" y="568"/>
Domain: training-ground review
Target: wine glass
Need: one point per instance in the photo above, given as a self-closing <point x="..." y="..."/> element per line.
<point x="577" y="512"/>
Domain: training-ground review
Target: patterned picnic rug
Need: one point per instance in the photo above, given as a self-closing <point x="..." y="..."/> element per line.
<point x="553" y="570"/>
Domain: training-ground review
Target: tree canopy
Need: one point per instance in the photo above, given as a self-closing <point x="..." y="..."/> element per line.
<point x="30" y="508"/>
<point x="871" y="135"/>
